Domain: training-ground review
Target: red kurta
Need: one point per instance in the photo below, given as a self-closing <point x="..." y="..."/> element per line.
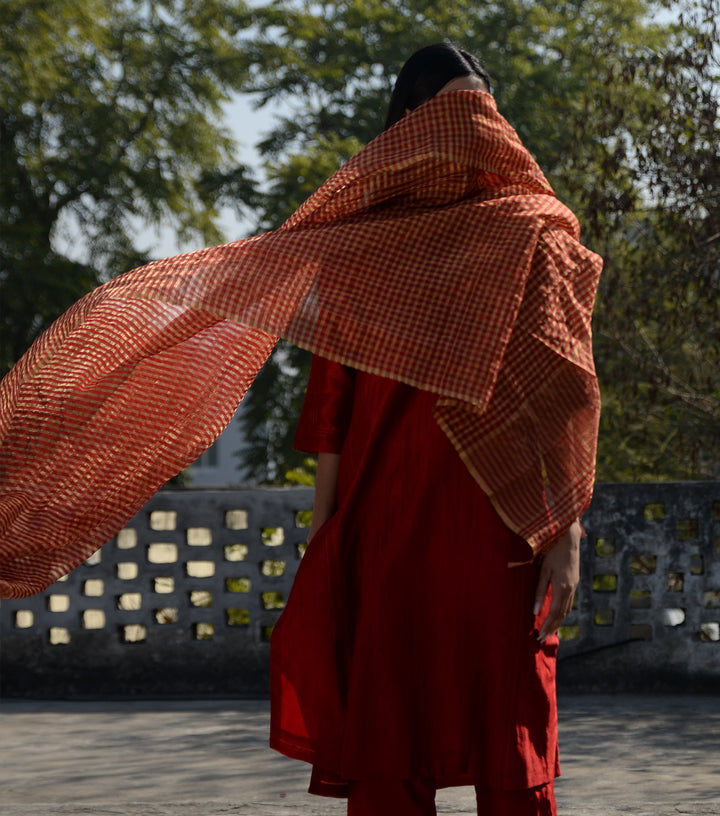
<point x="407" y="647"/>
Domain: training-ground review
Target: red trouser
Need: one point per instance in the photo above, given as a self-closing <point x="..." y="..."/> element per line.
<point x="417" y="798"/>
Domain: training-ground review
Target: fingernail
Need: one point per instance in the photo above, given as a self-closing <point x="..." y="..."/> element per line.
<point x="536" y="608"/>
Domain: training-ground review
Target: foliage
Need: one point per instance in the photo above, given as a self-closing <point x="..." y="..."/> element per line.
<point x="271" y="409"/>
<point x="618" y="102"/>
<point x="303" y="476"/>
<point x="109" y="116"/>
<point x="658" y="319"/>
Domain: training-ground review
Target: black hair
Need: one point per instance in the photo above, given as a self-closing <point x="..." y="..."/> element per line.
<point x="426" y="72"/>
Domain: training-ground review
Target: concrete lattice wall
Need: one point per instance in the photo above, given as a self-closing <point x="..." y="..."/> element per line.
<point x="183" y="601"/>
<point x="648" y="606"/>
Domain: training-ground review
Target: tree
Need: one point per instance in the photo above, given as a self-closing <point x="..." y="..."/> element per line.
<point x="589" y="85"/>
<point x="109" y="116"/>
<point x="333" y="64"/>
<point x="269" y="416"/>
<point x="658" y="322"/>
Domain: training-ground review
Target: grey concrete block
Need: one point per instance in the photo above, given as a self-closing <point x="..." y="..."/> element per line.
<point x="182" y="602"/>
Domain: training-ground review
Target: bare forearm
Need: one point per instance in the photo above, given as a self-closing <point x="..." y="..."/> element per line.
<point x="325" y="490"/>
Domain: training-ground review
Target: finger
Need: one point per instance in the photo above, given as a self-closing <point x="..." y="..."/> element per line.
<point x="550" y="624"/>
<point x="541" y="589"/>
<point x="559" y="609"/>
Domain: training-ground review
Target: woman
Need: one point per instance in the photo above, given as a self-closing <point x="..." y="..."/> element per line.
<point x="418" y="646"/>
<point x="439" y="273"/>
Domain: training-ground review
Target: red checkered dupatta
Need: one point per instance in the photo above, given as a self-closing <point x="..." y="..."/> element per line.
<point x="437" y="256"/>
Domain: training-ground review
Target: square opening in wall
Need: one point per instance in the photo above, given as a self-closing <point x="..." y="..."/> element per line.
<point x="273" y="536"/>
<point x="654" y="512"/>
<point x="604" y="617"/>
<point x="163" y="520"/>
<point x="236" y="552"/>
<point x="168" y="614"/>
<point x="127" y="571"/>
<point x="273" y="600"/>
<point x="710" y="632"/>
<point x="204" y="631"/>
<point x="200" y="569"/>
<point x="273" y="569"/>
<point x="59" y="635"/>
<point x="241" y="584"/>
<point x="130" y="601"/>
<point x="133" y="633"/>
<point x="94" y="588"/>
<point x="93" y="619"/>
<point x="58" y="603"/>
<point x="687" y="529"/>
<point x="126" y="539"/>
<point x="675" y="581"/>
<point x="236" y="520"/>
<point x="199" y="536"/>
<point x="605" y="547"/>
<point x="711" y="599"/>
<point x="640" y="599"/>
<point x="164" y="585"/>
<point x="606" y="582"/>
<point x="673" y="617"/>
<point x="162" y="553"/>
<point x="237" y="617"/>
<point x="24" y="619"/>
<point x="643" y="564"/>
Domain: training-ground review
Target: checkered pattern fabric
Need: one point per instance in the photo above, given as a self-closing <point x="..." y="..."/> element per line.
<point x="437" y="256"/>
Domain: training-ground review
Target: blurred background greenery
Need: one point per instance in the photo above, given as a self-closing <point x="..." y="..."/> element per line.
<point x="112" y="120"/>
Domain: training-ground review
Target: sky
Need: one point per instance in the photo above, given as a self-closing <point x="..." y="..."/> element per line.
<point x="248" y="126"/>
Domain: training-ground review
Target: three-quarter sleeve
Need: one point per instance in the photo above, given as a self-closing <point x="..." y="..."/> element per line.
<point x="327" y="409"/>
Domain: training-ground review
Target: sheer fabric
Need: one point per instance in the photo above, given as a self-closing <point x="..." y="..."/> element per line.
<point x="438" y="257"/>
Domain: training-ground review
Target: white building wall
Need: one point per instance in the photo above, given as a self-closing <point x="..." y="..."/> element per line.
<point x="220" y="465"/>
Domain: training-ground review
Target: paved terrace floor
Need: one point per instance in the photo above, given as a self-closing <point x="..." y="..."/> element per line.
<point x="640" y="756"/>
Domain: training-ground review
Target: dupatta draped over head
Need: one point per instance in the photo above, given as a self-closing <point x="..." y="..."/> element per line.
<point x="438" y="256"/>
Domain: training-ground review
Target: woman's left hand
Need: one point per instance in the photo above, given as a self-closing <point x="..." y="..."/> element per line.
<point x="561" y="571"/>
